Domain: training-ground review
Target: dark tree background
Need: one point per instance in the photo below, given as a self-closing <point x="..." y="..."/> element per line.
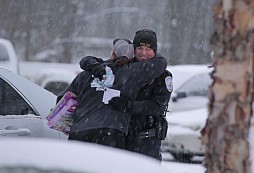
<point x="65" y="30"/>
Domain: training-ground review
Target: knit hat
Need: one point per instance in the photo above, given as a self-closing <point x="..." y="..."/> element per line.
<point x="122" y="48"/>
<point x="145" y="37"/>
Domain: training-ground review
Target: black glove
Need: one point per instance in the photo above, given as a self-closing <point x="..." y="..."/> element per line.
<point x="98" y="71"/>
<point x="119" y="104"/>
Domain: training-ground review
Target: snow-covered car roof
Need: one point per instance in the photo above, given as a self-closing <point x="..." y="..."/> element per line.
<point x="181" y="73"/>
<point x="38" y="97"/>
<point x="72" y="156"/>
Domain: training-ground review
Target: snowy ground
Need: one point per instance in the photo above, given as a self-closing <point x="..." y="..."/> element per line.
<point x="176" y="167"/>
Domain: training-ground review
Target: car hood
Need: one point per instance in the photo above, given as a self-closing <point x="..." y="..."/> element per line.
<point x="73" y="156"/>
<point x="38" y="97"/>
<point x="192" y="119"/>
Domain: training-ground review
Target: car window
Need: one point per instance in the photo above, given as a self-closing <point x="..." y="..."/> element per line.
<point x="197" y="85"/>
<point x="11" y="103"/>
<point x="3" y="54"/>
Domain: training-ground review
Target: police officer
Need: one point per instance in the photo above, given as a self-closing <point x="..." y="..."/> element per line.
<point x="93" y="120"/>
<point x="148" y="125"/>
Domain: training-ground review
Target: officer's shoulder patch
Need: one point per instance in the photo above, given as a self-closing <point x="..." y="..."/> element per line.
<point x="169" y="83"/>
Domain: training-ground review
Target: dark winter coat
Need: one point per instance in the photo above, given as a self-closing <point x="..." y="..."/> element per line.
<point x="152" y="100"/>
<point x="92" y="113"/>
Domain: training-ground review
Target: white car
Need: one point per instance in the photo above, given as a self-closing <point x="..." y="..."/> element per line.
<point x="190" y="87"/>
<point x="24" y="107"/>
<point x="183" y="137"/>
<point x="51" y="156"/>
<point x="8" y="57"/>
<point x="54" y="80"/>
<point x="187" y="111"/>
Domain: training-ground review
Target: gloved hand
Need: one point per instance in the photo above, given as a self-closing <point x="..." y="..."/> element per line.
<point x="98" y="71"/>
<point x="119" y="103"/>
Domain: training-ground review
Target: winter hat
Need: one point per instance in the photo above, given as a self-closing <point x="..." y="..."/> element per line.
<point x="145" y="37"/>
<point x="123" y="47"/>
<point x="117" y="39"/>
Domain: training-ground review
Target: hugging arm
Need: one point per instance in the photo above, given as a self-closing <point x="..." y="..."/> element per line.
<point x="87" y="62"/>
<point x="93" y="65"/>
<point x="145" y="71"/>
<point x="156" y="105"/>
<point x="151" y="68"/>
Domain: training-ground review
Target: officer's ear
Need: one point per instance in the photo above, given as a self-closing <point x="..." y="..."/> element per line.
<point x="112" y="54"/>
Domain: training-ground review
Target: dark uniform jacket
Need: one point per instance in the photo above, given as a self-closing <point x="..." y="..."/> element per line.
<point x="152" y="101"/>
<point x="92" y="113"/>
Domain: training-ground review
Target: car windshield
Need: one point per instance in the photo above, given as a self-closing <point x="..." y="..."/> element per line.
<point x="183" y="73"/>
<point x="196" y="86"/>
<point x="179" y="77"/>
<point x="3" y="53"/>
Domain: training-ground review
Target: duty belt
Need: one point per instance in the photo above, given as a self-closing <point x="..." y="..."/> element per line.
<point x="148" y="133"/>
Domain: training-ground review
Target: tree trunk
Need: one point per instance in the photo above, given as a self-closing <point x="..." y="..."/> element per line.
<point x="231" y="94"/>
